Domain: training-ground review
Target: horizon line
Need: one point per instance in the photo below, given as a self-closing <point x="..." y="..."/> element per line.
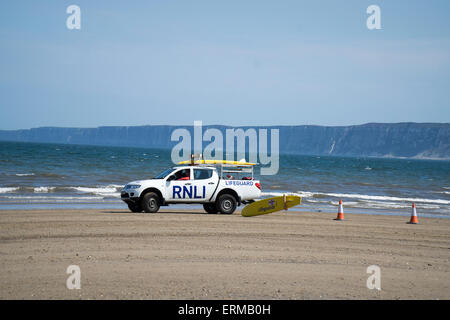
<point x="231" y="126"/>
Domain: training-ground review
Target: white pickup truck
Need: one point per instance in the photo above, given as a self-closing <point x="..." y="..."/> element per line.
<point x="218" y="189"/>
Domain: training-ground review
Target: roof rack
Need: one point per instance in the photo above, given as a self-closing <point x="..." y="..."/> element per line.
<point x="235" y="166"/>
<point x="201" y="160"/>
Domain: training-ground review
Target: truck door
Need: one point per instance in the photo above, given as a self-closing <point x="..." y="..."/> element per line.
<point x="179" y="186"/>
<point x="205" y="182"/>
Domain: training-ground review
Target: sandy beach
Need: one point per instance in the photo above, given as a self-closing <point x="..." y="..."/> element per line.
<point x="175" y="254"/>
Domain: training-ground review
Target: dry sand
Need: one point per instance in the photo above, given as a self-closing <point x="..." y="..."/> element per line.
<point x="180" y="255"/>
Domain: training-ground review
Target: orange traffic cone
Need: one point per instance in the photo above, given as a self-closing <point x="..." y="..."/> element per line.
<point x="340" y="215"/>
<point x="414" y="219"/>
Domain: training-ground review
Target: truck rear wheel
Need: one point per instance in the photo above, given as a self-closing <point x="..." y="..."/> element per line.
<point x="210" y="207"/>
<point x="226" y="204"/>
<point x="150" y="202"/>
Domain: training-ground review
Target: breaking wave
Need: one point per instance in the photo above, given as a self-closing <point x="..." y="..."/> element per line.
<point x="362" y="200"/>
<point x="104" y="191"/>
<point x="43" y="189"/>
<point x="8" y="189"/>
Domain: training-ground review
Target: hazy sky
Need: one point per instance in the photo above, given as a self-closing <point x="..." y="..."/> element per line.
<point x="223" y="62"/>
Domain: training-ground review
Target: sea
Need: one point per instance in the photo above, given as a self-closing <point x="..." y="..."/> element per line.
<point x="61" y="176"/>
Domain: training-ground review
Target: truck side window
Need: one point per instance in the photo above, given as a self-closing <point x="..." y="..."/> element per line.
<point x="180" y="175"/>
<point x="201" y="174"/>
<point x="183" y="174"/>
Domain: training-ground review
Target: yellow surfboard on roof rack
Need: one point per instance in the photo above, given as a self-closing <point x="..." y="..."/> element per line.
<point x="225" y="162"/>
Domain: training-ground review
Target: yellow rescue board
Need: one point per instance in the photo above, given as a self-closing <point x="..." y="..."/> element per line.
<point x="270" y="205"/>
<point x="235" y="163"/>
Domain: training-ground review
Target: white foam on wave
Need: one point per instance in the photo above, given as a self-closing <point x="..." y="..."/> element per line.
<point x="384" y="198"/>
<point x="314" y="201"/>
<point x="271" y="194"/>
<point x="103" y="191"/>
<point x="381" y="205"/>
<point x="110" y="194"/>
<point x="303" y="194"/>
<point x="364" y="204"/>
<point x="354" y="204"/>
<point x="8" y="189"/>
<point x="393" y="205"/>
<point x="118" y="186"/>
<point x="24" y="174"/>
<point x="43" y="189"/>
<point x="379" y="201"/>
<point x="442" y="192"/>
<point x="67" y="198"/>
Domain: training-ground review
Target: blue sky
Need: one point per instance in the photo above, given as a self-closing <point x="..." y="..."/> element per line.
<point x="223" y="62"/>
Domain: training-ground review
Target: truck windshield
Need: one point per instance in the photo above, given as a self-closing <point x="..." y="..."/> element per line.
<point x="164" y="174"/>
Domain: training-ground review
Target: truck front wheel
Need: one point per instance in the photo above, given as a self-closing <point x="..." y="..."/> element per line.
<point x="226" y="204"/>
<point x="135" y="207"/>
<point x="150" y="202"/>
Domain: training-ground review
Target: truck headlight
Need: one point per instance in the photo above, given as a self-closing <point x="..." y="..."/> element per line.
<point x="133" y="186"/>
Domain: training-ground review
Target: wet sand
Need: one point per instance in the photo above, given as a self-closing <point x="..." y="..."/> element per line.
<point x="176" y="254"/>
